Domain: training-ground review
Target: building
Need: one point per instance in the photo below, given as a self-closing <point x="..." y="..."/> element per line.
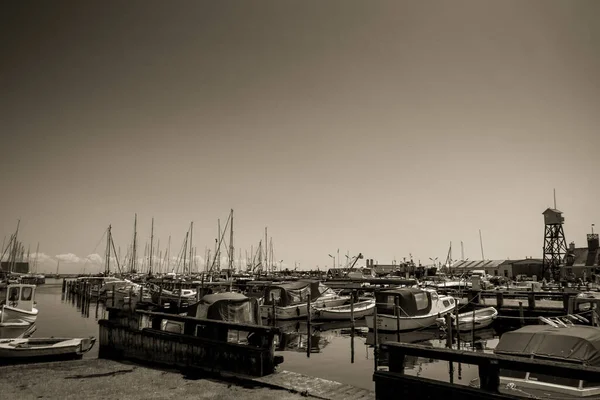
<point x="529" y="267"/>
<point x="582" y="262"/>
<point x="461" y="267"/>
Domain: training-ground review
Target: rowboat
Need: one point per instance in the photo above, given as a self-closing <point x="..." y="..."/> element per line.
<point x="43" y="349"/>
<point x="346" y="311"/>
<point x="467" y="321"/>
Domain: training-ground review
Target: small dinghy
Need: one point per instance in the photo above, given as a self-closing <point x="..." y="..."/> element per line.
<point x="43" y="349"/>
<point x="362" y="308"/>
<point x="479" y="319"/>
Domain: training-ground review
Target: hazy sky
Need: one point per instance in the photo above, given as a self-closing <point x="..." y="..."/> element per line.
<point x="387" y="128"/>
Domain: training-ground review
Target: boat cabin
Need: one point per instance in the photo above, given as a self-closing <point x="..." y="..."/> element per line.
<point x="225" y="306"/>
<point x="291" y="293"/>
<point x="19" y="296"/>
<point x="412" y="301"/>
<point x="578" y="344"/>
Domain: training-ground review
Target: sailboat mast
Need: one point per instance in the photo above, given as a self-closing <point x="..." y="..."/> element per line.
<point x="266" y="252"/>
<point x="191" y="265"/>
<point x="231" y="242"/>
<point x="15" y="247"/>
<point x="37" y="252"/>
<point x="107" y="267"/>
<point x="151" y="246"/>
<point x="217" y="247"/>
<point x="133" y="252"/>
<point x="481" y="244"/>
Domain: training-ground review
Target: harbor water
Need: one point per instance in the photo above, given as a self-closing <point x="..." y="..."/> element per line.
<point x="336" y="353"/>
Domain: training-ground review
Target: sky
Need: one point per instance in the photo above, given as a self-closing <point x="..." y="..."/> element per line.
<point x="389" y="128"/>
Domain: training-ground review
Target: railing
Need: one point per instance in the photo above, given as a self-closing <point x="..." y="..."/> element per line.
<point x="388" y="384"/>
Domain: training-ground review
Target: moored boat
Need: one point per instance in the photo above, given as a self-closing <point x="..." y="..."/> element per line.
<point x="477" y="319"/>
<point x="416" y="309"/>
<point x="575" y="344"/>
<point x="290" y="300"/>
<point x="358" y="310"/>
<point x="43" y="349"/>
<point x="18" y="304"/>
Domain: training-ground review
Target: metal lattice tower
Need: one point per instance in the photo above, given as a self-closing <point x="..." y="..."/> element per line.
<point x="555" y="244"/>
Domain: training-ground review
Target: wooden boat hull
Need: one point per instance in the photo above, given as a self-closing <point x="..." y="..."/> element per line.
<point x="8" y="314"/>
<point x="343" y="312"/>
<point x="300" y="310"/>
<point x="41" y="349"/>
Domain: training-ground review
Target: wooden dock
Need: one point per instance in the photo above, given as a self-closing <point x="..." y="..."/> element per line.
<point x="200" y="344"/>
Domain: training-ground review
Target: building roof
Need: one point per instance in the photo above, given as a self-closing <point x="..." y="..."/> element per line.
<point x="526" y="261"/>
<point x="583" y="257"/>
<point x="553" y="210"/>
<point x="476" y="264"/>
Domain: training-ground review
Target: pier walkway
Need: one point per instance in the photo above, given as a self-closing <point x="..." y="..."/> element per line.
<point x="106" y="379"/>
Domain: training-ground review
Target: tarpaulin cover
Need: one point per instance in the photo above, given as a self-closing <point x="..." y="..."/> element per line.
<point x="230" y="307"/>
<point x="576" y="343"/>
<point x="289" y="293"/>
<point x="412" y="301"/>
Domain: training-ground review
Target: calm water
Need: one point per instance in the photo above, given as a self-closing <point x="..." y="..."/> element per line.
<point x="331" y="343"/>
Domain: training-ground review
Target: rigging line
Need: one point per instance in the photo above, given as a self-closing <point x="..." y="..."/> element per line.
<point x="87" y="260"/>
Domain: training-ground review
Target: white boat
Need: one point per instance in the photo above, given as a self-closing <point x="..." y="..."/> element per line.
<point x="291" y="299"/>
<point x="417" y="308"/>
<point x="468" y="321"/>
<point x="43" y="349"/>
<point x="362" y="308"/>
<point x="19" y="304"/>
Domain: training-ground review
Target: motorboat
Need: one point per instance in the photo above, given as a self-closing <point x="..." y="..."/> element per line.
<point x="19" y="304"/>
<point x="577" y="344"/>
<point x="477" y="319"/>
<point x="290" y="300"/>
<point x="43" y="349"/>
<point x="409" y="309"/>
<point x="360" y="309"/>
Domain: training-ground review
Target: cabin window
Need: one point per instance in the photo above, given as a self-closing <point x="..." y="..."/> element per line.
<point x="274" y="297"/>
<point x="451" y="300"/>
<point x="13" y="294"/>
<point x="26" y="294"/>
<point x="421" y="301"/>
<point x="446" y="303"/>
<point x="495" y="272"/>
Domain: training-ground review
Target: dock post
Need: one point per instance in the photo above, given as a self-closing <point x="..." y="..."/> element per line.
<point x="457" y="330"/>
<point x="521" y="314"/>
<point x="397" y="313"/>
<point x="308" y="329"/>
<point x="375" y="338"/>
<point x="566" y="302"/>
<point x="352" y="308"/>
<point x="472" y="331"/>
<point x="273" y="315"/>
<point x="499" y="300"/>
<point x="449" y="333"/>
<point x="531" y="300"/>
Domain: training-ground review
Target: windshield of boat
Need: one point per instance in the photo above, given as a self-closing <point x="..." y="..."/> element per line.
<point x="421" y="300"/>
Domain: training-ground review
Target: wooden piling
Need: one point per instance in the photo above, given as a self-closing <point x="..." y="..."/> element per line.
<point x="375" y="338"/>
<point x="449" y="329"/>
<point x="499" y="300"/>
<point x="273" y="314"/>
<point x="457" y="330"/>
<point x="531" y="300"/>
<point x="308" y="328"/>
<point x="397" y="314"/>
<point x="521" y="314"/>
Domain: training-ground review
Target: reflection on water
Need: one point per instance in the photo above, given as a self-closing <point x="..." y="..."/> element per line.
<point x="338" y="352"/>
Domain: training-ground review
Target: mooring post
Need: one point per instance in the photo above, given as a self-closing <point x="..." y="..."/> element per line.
<point x="499" y="299"/>
<point x="375" y="338"/>
<point x="449" y="332"/>
<point x="521" y="314"/>
<point x="472" y="330"/>
<point x="457" y="323"/>
<point x="308" y="331"/>
<point x="397" y="314"/>
<point x="64" y="285"/>
<point x="531" y="300"/>
<point x="352" y="309"/>
<point x="273" y="314"/>
<point x="160" y="289"/>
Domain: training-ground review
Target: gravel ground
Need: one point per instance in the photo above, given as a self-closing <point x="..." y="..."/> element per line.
<point x="105" y="379"/>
